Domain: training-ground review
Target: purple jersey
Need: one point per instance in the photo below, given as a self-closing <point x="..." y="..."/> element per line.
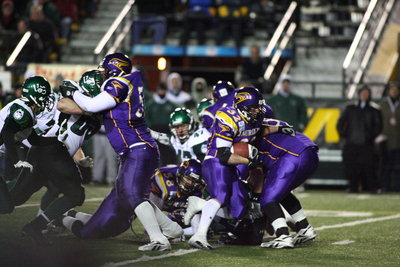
<point x="124" y="124"/>
<point x="274" y="146"/>
<point x="164" y="185"/>
<point x="229" y="128"/>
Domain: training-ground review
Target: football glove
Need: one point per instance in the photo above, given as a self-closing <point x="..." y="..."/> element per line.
<point x="67" y="91"/>
<point x="160" y="137"/>
<point x="86" y="162"/>
<point x="255" y="162"/>
<point x="23" y="164"/>
<point x="254" y="210"/>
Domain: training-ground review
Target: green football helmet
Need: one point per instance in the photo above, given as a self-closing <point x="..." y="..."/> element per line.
<point x="91" y="82"/>
<point x="36" y="90"/>
<point x="204" y="103"/>
<point x="179" y="117"/>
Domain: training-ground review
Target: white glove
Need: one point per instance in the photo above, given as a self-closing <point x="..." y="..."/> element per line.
<point x="23" y="164"/>
<point x="62" y="132"/>
<point x="86" y="162"/>
<point x="160" y="137"/>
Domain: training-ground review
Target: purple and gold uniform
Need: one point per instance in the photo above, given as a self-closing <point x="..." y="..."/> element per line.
<point x="223" y="180"/>
<point x="165" y="194"/>
<point x="128" y="134"/>
<point x="289" y="161"/>
<point x="209" y="112"/>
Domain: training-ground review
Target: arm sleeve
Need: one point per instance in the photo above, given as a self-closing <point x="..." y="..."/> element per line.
<point x="37" y="140"/>
<point x="342" y="124"/>
<point x="10" y="128"/>
<point x="102" y="101"/>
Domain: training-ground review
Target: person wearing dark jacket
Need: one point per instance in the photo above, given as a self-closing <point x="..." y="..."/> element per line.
<point x="358" y="126"/>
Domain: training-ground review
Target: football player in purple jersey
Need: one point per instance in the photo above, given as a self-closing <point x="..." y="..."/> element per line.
<point x="121" y="102"/>
<point x="290" y="160"/>
<point x="239" y="123"/>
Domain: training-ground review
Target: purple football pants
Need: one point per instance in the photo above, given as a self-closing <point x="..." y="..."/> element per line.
<point x="224" y="185"/>
<point x="132" y="187"/>
<point x="288" y="173"/>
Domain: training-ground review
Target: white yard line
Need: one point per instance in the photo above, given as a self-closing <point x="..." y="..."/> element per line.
<point x="337" y="213"/>
<point x="353" y="223"/>
<point x="96" y="199"/>
<point x="179" y="252"/>
<point x="343" y="242"/>
<point x="187" y="251"/>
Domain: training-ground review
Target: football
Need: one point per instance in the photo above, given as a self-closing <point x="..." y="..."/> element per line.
<point x="244" y="149"/>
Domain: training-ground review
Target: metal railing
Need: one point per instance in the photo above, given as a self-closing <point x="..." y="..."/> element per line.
<point x="284" y="33"/>
<point x="117" y="33"/>
<point x="363" y="45"/>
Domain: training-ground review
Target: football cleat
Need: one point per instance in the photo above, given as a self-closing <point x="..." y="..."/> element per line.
<point x="283" y="241"/>
<point x="195" y="205"/>
<point x="35" y="235"/>
<point x="199" y="242"/>
<point x="155" y="246"/>
<point x="305" y="235"/>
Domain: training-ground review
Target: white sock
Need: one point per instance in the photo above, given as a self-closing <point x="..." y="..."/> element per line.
<point x="195" y="222"/>
<point x="299" y="216"/>
<point x="279" y="223"/>
<point x="207" y="215"/>
<point x="188" y="231"/>
<point x="169" y="228"/>
<point x="68" y="221"/>
<point x="146" y="216"/>
<point x="40" y="212"/>
<point x="83" y="217"/>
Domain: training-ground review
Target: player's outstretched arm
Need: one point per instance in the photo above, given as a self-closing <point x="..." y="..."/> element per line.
<point x="68" y="106"/>
<point x="101" y="102"/>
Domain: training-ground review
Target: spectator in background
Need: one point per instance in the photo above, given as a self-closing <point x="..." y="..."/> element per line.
<point x="230" y="16"/>
<point x="263" y="14"/>
<point x="48" y="10"/>
<point x="45" y="29"/>
<point x="151" y="17"/>
<point x="391" y="131"/>
<point x="199" y="90"/>
<point x="158" y="110"/>
<point x="105" y="160"/>
<point x="288" y="106"/>
<point x="175" y="94"/>
<point x="16" y="94"/>
<point x="358" y="126"/>
<point x="33" y="51"/>
<point x="69" y="13"/>
<point x="8" y="16"/>
<point x="197" y="16"/>
<point x="251" y="70"/>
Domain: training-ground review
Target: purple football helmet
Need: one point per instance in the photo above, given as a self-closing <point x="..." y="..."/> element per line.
<point x="116" y="64"/>
<point x="221" y="89"/>
<point x="250" y="103"/>
<point x="189" y="177"/>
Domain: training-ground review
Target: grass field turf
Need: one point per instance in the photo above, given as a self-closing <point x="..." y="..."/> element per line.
<point x="375" y="243"/>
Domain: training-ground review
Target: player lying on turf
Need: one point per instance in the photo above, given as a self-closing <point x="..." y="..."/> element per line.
<point x="121" y="102"/>
<point x="171" y="186"/>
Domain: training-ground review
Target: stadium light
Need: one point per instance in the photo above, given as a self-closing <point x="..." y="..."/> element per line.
<point x="18" y="48"/>
<point x="162" y="63"/>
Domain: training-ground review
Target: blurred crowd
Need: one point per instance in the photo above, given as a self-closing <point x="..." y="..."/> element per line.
<point x="50" y="21"/>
